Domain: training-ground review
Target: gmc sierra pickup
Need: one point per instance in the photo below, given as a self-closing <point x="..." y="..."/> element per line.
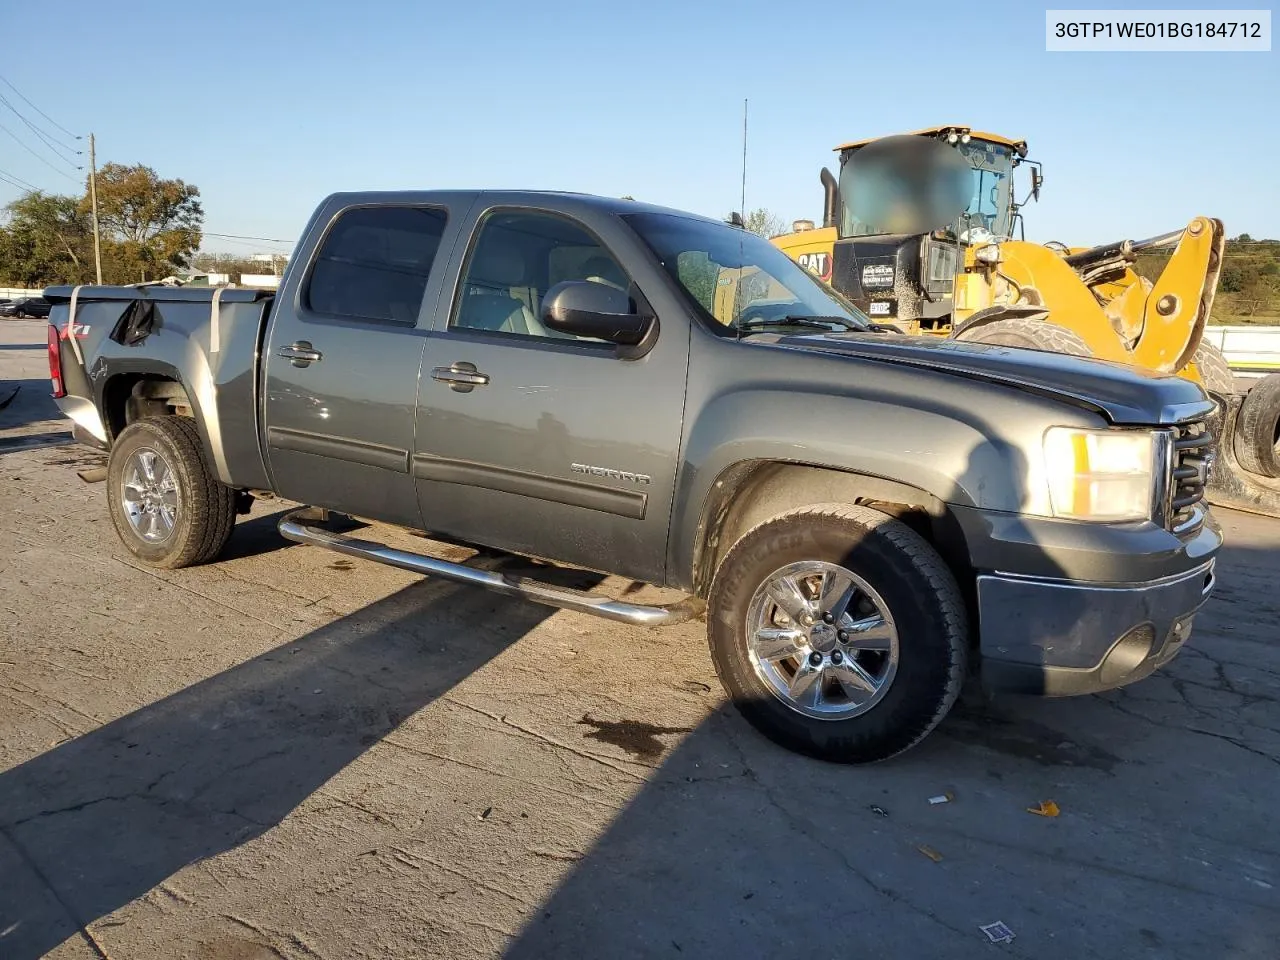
<point x="859" y="515"/>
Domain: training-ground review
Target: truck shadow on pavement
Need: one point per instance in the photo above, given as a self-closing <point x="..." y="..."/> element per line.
<point x="97" y="822"/>
<point x="736" y="848"/>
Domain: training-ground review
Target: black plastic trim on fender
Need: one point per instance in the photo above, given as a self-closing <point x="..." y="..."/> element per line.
<point x="339" y="448"/>
<point x="623" y="503"/>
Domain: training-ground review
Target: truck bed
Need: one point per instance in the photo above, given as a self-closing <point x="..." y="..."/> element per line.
<point x="182" y="331"/>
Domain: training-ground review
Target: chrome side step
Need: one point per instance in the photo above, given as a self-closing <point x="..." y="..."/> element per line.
<point x="298" y="526"/>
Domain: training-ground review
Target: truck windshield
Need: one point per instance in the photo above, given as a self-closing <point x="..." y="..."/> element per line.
<point x="990" y="208"/>
<point x="738" y="280"/>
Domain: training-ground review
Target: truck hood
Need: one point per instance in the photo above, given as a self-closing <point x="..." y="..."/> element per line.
<point x="1123" y="394"/>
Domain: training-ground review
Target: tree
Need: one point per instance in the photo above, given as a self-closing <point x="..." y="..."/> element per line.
<point x="47" y="239"/>
<point x="156" y="223"/>
<point x="150" y="228"/>
<point x="765" y="223"/>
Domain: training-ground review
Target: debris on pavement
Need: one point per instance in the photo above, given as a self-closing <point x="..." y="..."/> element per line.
<point x="485" y="814"/>
<point x="997" y="932"/>
<point x="1047" y="808"/>
<point x="942" y="798"/>
<point x="931" y="853"/>
<point x="878" y="811"/>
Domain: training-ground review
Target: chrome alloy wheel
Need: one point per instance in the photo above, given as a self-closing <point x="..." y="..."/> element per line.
<point x="822" y="640"/>
<point x="149" y="495"/>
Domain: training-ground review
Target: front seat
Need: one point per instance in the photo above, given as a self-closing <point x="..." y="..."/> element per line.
<point x="489" y="304"/>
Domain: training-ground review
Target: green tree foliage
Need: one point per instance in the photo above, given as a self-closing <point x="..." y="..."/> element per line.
<point x="46" y="240"/>
<point x="150" y="228"/>
<point x="765" y="223"/>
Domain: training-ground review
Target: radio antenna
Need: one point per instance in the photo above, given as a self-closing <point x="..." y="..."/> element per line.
<point x="744" y="161"/>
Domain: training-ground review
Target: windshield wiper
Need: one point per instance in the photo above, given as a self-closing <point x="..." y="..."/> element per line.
<point x="798" y="320"/>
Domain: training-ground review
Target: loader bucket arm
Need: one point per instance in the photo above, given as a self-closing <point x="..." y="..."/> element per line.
<point x="1178" y="306"/>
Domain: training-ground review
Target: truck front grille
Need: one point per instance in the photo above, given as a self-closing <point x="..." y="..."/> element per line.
<point x="1190" y="465"/>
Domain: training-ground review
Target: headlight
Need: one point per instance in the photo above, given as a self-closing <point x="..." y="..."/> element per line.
<point x="1101" y="475"/>
<point x="988" y="254"/>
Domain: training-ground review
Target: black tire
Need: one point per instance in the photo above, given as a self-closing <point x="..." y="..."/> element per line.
<point x="1258" y="428"/>
<point x="921" y="595"/>
<point x="205" y="513"/>
<point x="1028" y="334"/>
<point x="1215" y="373"/>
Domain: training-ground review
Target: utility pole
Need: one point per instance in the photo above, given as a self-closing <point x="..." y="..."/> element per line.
<point x="744" y="159"/>
<point x="93" y="201"/>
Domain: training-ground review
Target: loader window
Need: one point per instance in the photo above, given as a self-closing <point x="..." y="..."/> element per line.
<point x="991" y="205"/>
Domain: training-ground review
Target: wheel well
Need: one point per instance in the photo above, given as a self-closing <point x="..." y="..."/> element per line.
<point x="750" y="493"/>
<point x="134" y="396"/>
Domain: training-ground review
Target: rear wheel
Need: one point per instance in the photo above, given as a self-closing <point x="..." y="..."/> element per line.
<point x="168" y="507"/>
<point x="1028" y="334"/>
<point x="1258" y="428"/>
<point x="838" y="632"/>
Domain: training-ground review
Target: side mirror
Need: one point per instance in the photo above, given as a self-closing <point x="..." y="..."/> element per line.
<point x="1037" y="178"/>
<point x="585" y="308"/>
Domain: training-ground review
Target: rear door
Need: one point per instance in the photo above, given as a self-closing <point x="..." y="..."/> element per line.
<point x="342" y="360"/>
<point x="561" y="450"/>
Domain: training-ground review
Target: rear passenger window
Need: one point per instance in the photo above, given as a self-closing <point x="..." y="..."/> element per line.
<point x="374" y="262"/>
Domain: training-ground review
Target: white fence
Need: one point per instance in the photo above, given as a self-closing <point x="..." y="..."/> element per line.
<point x="1249" y="349"/>
<point x="17" y="293"/>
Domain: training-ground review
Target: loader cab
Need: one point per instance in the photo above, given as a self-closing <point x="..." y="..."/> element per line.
<point x="908" y="279"/>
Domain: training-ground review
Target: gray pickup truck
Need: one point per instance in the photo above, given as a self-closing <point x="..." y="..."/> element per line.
<point x="859" y="515"/>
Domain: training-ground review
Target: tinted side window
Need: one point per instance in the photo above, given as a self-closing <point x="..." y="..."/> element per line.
<point x="374" y="262"/>
<point x="518" y="257"/>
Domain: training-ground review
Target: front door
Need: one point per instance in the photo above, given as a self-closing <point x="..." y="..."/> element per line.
<point x="539" y="442"/>
<point x="342" y="363"/>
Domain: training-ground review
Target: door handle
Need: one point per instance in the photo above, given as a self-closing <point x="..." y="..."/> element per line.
<point x="461" y="376"/>
<point x="301" y="353"/>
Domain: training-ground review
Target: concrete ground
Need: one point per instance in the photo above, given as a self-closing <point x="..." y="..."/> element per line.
<point x="288" y="754"/>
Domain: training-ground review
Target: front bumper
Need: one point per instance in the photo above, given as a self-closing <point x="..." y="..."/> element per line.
<point x="1061" y="638"/>
<point x="1070" y="608"/>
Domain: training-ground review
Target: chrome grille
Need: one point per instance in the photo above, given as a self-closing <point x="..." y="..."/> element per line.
<point x="1191" y="462"/>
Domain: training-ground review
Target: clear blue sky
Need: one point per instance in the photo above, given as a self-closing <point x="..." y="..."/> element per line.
<point x="268" y="106"/>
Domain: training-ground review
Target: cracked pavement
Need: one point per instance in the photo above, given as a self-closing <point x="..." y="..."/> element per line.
<point x="287" y="756"/>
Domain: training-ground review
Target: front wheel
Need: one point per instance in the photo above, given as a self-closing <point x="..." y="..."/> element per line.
<point x="167" y="505"/>
<point x="838" y="632"/>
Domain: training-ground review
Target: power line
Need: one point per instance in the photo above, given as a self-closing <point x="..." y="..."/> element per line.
<point x="36" y="155"/>
<point x="39" y="111"/>
<point x="13" y="183"/>
<point x="11" y="177"/>
<point x="236" y="236"/>
<point x="49" y="142"/>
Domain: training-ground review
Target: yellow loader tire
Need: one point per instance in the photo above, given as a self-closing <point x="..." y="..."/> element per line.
<point x="1215" y="374"/>
<point x="1258" y="428"/>
<point x="1028" y="334"/>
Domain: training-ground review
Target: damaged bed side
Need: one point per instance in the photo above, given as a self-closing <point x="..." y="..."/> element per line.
<point x="202" y="359"/>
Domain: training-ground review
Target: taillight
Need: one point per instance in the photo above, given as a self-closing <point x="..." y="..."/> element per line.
<point x="55" y="364"/>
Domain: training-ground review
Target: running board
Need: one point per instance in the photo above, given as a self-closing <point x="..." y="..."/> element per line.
<point x="299" y="527"/>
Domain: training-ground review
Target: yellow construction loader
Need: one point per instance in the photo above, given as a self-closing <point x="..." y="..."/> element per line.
<point x="979" y="279"/>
